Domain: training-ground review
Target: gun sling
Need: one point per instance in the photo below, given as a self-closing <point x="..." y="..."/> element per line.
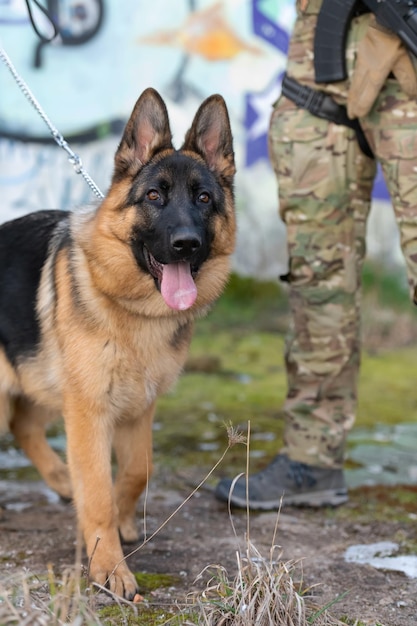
<point x="322" y="105"/>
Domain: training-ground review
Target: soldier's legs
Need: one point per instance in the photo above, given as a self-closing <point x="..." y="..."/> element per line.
<point x="392" y="124"/>
<point x="325" y="185"/>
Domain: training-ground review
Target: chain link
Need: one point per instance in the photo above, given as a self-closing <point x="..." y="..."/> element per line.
<point x="73" y="157"/>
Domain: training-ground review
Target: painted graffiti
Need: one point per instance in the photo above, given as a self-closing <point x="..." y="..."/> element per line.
<point x="108" y="52"/>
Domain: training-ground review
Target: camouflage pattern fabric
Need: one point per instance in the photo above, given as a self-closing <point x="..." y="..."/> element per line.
<point x="325" y="184"/>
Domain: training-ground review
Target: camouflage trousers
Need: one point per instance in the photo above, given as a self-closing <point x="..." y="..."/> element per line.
<point x="325" y="184"/>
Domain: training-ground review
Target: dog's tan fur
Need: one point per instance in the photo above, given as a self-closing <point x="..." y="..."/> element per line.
<point x="108" y="349"/>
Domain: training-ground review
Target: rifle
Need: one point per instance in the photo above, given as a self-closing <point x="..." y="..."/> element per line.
<point x="330" y="40"/>
<point x="333" y="21"/>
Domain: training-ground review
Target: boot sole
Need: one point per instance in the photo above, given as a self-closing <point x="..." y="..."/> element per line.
<point x="329" y="497"/>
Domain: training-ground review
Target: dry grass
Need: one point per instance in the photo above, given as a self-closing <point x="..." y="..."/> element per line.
<point x="263" y="592"/>
<point x="27" y="599"/>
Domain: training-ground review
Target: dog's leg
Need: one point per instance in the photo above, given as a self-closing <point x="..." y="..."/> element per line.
<point x="133" y="447"/>
<point x="28" y="423"/>
<point x="89" y="438"/>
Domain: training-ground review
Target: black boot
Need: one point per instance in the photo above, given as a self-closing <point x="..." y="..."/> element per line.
<point x="286" y="482"/>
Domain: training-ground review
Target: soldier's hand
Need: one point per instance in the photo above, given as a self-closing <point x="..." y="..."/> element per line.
<point x="379" y="53"/>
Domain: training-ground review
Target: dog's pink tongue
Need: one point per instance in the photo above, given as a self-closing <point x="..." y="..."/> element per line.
<point x="177" y="286"/>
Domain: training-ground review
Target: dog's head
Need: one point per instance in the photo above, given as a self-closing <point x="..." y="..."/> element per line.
<point x="178" y="204"/>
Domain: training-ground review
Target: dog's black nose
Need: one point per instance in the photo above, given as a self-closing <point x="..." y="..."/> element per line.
<point x="185" y="242"/>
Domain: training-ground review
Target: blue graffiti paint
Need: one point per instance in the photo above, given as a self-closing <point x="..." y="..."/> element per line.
<point x="266" y="28"/>
<point x="265" y="25"/>
<point x="257" y="113"/>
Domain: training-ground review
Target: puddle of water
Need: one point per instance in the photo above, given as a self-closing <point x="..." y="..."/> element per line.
<point x="14" y="464"/>
<point x="380" y="556"/>
<point x="208" y="446"/>
<point x="263" y="436"/>
<point x="386" y="455"/>
<point x="13" y="459"/>
<point x="18" y="506"/>
<point x="18" y="495"/>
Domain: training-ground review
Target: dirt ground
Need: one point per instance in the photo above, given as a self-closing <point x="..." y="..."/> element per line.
<point x="36" y="529"/>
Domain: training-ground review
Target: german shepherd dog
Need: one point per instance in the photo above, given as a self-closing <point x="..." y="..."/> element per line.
<point x="96" y="316"/>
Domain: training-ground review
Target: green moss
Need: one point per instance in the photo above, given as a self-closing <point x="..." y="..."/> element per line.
<point x="27" y="473"/>
<point x="378" y="502"/>
<point x="248" y="385"/>
<point x="387" y="388"/>
<point x="246" y="302"/>
<point x="142" y="615"/>
<point x="150" y="582"/>
<point x="389" y="287"/>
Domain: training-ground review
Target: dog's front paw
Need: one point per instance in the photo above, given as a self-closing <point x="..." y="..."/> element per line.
<point x="118" y="580"/>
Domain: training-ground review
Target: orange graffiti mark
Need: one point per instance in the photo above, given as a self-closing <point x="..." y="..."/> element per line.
<point x="205" y="33"/>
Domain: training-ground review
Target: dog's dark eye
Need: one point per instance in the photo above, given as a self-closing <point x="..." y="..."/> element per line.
<point x="152" y="195"/>
<point x="204" y="197"/>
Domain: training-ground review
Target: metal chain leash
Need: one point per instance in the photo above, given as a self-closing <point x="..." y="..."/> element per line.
<point x="73" y="158"/>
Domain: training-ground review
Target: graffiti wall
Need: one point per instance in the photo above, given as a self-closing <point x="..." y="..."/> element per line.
<point x="88" y="80"/>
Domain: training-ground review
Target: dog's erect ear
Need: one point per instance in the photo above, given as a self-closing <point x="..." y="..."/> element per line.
<point x="146" y="133"/>
<point x="210" y="136"/>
